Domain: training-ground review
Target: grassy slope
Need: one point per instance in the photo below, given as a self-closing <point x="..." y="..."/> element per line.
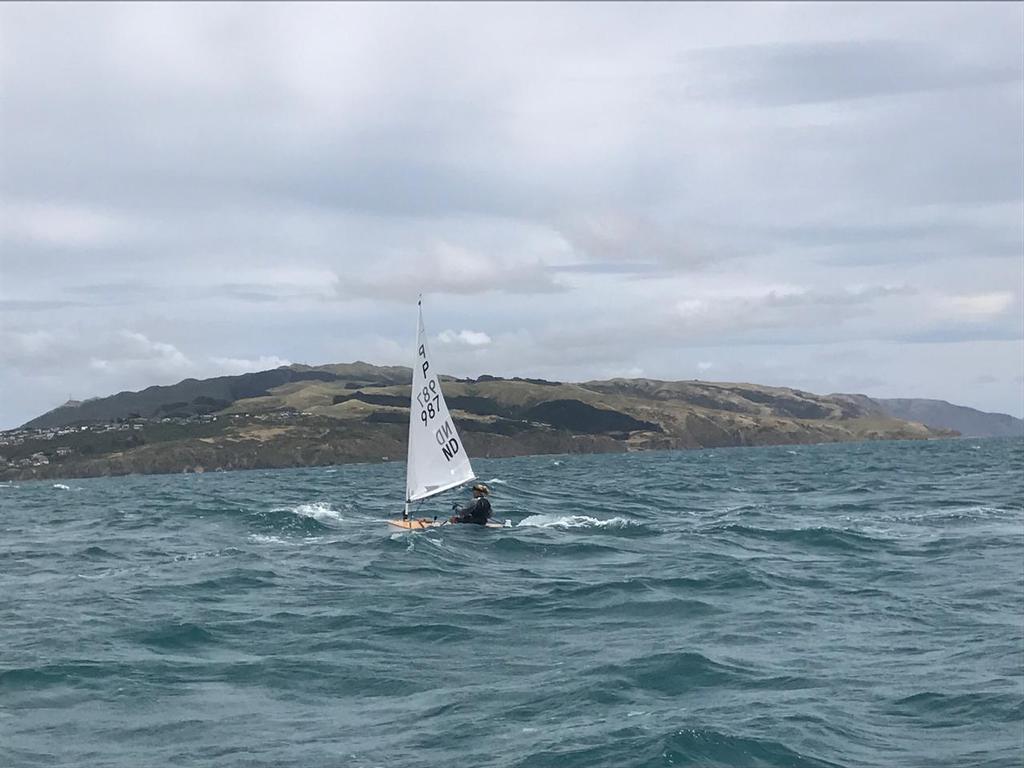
<point x="495" y="417"/>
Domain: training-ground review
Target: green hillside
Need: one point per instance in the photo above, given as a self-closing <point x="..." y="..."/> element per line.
<point x="302" y="415"/>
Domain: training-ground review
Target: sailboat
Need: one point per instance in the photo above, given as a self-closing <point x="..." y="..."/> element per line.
<point x="437" y="459"/>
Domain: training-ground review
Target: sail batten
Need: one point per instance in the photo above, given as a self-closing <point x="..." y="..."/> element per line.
<point x="437" y="460"/>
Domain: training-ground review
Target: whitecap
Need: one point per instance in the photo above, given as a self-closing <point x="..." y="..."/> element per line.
<point x="226" y="552"/>
<point x="62" y="487"/>
<point x="574" y="521"/>
<point x="260" y="539"/>
<point x="320" y="511"/>
<point x="497" y="481"/>
<point x="407" y="537"/>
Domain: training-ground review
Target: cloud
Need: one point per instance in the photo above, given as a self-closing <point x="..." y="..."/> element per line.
<point x="135" y="351"/>
<point x="274" y="284"/>
<point x="908" y="235"/>
<point x="59" y="225"/>
<point x="43" y="368"/>
<point x="633" y="242"/>
<point x="767" y="315"/>
<point x="236" y="365"/>
<point x="110" y="354"/>
<point x="948" y="333"/>
<point x="449" y="268"/>
<point x="767" y="311"/>
<point x="783" y="74"/>
<point x="468" y="338"/>
<point x="28" y="346"/>
<point x="35" y="305"/>
<point x="603" y="189"/>
<point x="981" y="305"/>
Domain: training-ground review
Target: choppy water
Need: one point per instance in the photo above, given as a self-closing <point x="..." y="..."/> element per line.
<point x="856" y="605"/>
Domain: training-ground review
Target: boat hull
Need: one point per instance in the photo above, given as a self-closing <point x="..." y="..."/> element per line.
<point x="422" y="523"/>
<point x="416" y="524"/>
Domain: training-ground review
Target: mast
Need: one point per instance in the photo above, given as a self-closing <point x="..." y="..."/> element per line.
<point x="412" y="400"/>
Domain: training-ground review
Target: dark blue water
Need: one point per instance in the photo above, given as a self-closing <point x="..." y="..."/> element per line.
<point x="855" y="605"/>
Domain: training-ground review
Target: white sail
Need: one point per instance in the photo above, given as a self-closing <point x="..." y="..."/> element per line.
<point x="437" y="460"/>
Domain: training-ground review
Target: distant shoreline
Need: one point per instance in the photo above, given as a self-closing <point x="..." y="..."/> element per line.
<point x="122" y="465"/>
<point x="301" y="416"/>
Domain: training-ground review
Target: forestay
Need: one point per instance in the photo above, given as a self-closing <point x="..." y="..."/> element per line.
<point x="437" y="460"/>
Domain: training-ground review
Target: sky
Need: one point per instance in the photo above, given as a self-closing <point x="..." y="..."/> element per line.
<point x="821" y="196"/>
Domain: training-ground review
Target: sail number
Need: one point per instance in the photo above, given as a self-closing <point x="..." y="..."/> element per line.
<point x="445" y="437"/>
<point x="429" y="399"/>
<point x="430" y="402"/>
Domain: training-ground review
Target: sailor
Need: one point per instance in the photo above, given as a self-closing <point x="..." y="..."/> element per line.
<point x="477" y="511"/>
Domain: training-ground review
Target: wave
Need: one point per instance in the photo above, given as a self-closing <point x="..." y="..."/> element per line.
<point x="65" y="673"/>
<point x="705" y="611"/>
<point x="257" y="538"/>
<point x="821" y="536"/>
<point x="578" y="547"/>
<point x="318" y="511"/>
<point x="575" y="521"/>
<point x="689" y="746"/>
<point x="972" y="512"/>
<point x="95" y="552"/>
<point x="610" y="602"/>
<point x="176" y="636"/>
<point x="61" y="487"/>
<point x="430" y="633"/>
<point x="242" y="581"/>
<point x="960" y="708"/>
<point x="646" y="594"/>
<point x="699" y="745"/>
<point x="309" y="518"/>
<point x="673" y="674"/>
<point x="226" y="552"/>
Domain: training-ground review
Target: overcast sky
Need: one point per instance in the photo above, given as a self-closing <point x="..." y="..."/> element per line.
<point x="827" y="197"/>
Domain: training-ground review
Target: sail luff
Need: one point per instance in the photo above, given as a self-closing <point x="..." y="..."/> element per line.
<point x="412" y="404"/>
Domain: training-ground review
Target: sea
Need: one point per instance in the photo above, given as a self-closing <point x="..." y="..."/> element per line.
<point x="827" y="605"/>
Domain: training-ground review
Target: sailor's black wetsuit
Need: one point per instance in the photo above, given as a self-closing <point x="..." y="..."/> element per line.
<point x="478" y="512"/>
